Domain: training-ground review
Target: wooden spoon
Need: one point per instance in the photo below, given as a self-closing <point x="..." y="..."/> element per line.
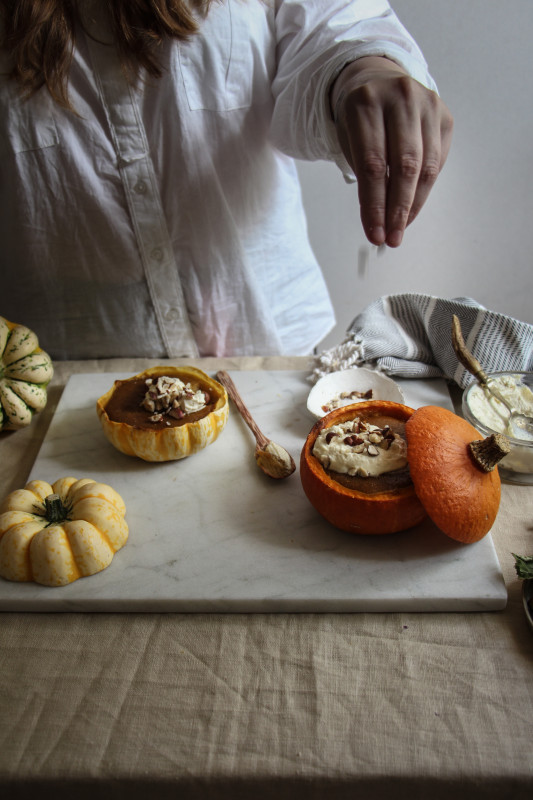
<point x="273" y="459"/>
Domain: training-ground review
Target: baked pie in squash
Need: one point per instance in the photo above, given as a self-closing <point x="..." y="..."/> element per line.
<point x="164" y="413"/>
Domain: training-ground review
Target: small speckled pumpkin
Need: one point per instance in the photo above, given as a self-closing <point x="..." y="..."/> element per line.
<point x="25" y="372"/>
<point x="55" y="534"/>
<point x="172" y="443"/>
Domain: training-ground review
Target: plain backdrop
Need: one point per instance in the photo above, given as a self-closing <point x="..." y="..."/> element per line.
<point x="474" y="236"/>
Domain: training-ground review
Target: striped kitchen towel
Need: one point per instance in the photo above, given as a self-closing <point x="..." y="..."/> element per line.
<point x="409" y="335"/>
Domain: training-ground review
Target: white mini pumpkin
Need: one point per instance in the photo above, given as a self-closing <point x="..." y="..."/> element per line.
<point x="55" y="534"/>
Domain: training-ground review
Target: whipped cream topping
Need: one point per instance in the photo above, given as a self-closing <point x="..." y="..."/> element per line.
<point x="359" y="448"/>
<point x="492" y="413"/>
<point x="495" y="416"/>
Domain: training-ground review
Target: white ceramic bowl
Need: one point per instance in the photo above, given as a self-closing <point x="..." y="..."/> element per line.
<point x="327" y="392"/>
<point x="517" y="466"/>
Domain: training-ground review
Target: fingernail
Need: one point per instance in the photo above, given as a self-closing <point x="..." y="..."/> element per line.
<point x="394" y="239"/>
<point x="377" y="235"/>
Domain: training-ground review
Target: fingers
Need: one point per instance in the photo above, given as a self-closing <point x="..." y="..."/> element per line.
<point x="396" y="135"/>
<point x="363" y="138"/>
<point x="436" y="133"/>
<point x="418" y="144"/>
<point x="409" y="181"/>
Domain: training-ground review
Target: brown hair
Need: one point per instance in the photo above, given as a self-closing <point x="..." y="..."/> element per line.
<point x="39" y="35"/>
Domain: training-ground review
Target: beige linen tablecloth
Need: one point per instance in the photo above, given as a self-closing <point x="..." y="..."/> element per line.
<point x="266" y="706"/>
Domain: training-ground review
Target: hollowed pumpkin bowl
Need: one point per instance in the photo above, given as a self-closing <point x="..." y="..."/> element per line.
<point x="175" y="441"/>
<point x="382" y="512"/>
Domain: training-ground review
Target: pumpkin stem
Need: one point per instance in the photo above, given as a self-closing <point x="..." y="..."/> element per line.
<point x="487" y="452"/>
<point x="55" y="509"/>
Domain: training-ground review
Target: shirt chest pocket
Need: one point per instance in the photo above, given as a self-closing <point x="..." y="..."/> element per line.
<point x="217" y="63"/>
<point x="25" y="124"/>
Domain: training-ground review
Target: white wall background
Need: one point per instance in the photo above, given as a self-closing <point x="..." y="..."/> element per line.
<point x="474" y="237"/>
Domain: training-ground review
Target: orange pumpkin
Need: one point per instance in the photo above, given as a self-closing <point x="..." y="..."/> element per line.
<point x="348" y="509"/>
<point x="454" y="479"/>
<point x="453" y="472"/>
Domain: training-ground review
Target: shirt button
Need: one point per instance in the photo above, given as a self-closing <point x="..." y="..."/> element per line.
<point x="157" y="254"/>
<point x="140" y="187"/>
<point x="172" y="314"/>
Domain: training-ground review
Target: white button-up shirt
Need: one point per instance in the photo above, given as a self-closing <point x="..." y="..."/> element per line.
<point x="165" y="219"/>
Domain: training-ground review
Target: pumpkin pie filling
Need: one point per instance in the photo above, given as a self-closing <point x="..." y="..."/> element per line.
<point x="365" y="455"/>
<point x="129" y="404"/>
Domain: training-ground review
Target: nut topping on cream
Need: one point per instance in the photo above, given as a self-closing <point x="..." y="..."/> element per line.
<point x="173" y="397"/>
<point x="356" y="447"/>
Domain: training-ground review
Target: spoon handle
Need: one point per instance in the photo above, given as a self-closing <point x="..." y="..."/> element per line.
<point x="469" y="362"/>
<point x="226" y="381"/>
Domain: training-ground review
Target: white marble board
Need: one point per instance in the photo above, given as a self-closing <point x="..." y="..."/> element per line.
<point x="211" y="533"/>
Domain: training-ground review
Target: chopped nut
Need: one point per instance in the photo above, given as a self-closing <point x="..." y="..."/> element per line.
<point x="173" y="397"/>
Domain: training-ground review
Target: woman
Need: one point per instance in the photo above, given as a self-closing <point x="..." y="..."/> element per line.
<point x="151" y="204"/>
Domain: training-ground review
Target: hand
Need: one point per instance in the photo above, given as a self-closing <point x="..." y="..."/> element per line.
<point x="395" y="134"/>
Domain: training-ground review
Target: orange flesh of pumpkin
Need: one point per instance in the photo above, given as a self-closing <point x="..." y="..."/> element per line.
<point x="460" y="498"/>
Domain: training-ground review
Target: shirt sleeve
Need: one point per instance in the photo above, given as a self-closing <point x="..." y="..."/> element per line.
<point x="315" y="40"/>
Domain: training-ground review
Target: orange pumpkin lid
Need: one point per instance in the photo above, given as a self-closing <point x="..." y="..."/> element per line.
<point x="453" y="472"/>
